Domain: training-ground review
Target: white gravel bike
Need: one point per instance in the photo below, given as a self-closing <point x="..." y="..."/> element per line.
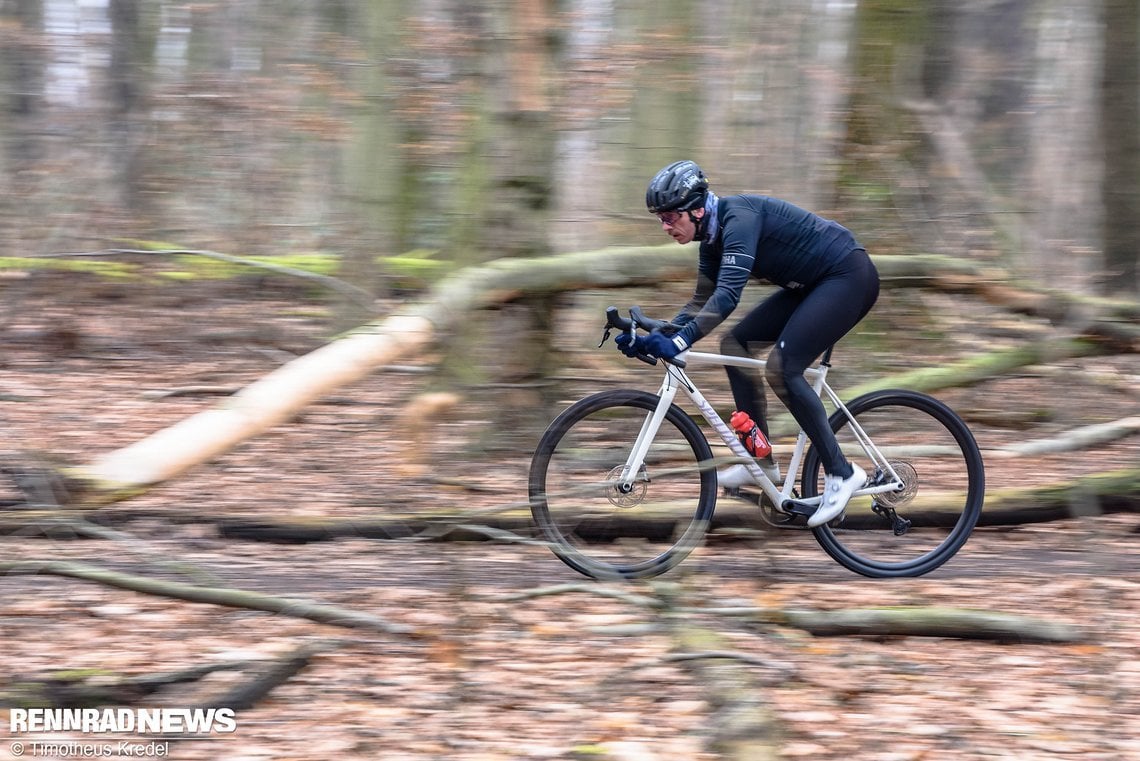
<point x="623" y="483"/>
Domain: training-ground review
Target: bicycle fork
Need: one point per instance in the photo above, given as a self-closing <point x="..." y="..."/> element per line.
<point x="635" y="462"/>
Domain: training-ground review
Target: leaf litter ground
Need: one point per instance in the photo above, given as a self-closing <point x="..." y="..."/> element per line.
<point x="565" y="676"/>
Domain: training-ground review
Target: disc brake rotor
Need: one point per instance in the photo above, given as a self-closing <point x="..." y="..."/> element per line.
<point x="637" y="488"/>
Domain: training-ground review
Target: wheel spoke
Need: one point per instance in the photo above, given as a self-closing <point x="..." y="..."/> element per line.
<point x="598" y="520"/>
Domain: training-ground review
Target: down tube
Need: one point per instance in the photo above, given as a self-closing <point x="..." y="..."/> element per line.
<point x="730" y="439"/>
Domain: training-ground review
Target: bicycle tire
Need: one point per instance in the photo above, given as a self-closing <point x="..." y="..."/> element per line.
<point x="935" y="453"/>
<point x="588" y="523"/>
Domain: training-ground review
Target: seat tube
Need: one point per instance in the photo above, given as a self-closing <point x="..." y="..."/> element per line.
<point x="820" y="379"/>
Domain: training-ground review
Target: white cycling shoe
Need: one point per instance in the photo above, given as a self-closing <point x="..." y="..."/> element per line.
<point x="735" y="476"/>
<point x="837" y="492"/>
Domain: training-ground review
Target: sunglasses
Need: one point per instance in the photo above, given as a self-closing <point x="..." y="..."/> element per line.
<point x="669" y="217"/>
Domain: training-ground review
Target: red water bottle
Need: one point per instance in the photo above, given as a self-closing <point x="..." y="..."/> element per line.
<point x="750" y="435"/>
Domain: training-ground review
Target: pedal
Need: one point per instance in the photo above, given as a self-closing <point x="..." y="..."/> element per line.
<point x="795" y="507"/>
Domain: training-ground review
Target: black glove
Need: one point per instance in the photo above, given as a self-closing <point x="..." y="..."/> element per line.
<point x="660" y="345"/>
<point x="630" y="346"/>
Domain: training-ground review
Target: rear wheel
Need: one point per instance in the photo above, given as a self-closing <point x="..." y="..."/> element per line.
<point x="605" y="527"/>
<point x="911" y="531"/>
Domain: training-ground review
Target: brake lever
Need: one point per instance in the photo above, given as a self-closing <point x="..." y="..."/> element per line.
<point x="614" y="319"/>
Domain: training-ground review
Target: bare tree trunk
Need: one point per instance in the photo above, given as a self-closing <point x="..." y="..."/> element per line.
<point x="663" y="117"/>
<point x="1120" y="114"/>
<point x="22" y="74"/>
<point x="131" y="54"/>
<point x="522" y="146"/>
<point x="265" y="403"/>
<point x="372" y="166"/>
<point x="1062" y="177"/>
<point x="579" y="159"/>
<point x="877" y="136"/>
<point x="772" y="78"/>
<point x="520" y="198"/>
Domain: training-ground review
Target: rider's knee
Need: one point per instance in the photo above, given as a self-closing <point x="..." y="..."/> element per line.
<point x="785" y="373"/>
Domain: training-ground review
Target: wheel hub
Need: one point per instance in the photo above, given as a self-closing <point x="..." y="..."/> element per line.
<point x="626" y="495"/>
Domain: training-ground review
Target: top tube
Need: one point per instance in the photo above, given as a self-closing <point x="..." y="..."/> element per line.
<point x="734" y="361"/>
<point x="639" y="318"/>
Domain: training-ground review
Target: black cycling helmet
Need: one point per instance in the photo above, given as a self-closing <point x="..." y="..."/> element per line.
<point x="678" y="187"/>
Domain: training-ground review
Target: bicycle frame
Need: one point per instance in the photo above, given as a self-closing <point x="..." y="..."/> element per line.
<point x="677" y="379"/>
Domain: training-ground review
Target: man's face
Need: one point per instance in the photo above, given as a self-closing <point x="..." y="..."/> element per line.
<point x="678" y="225"/>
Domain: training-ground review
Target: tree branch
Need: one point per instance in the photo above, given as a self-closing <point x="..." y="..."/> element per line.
<point x="912" y="622"/>
<point x="233" y="598"/>
<point x="354" y="293"/>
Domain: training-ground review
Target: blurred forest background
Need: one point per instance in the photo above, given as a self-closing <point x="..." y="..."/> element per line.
<point x="431" y="134"/>
<point x="392" y="143"/>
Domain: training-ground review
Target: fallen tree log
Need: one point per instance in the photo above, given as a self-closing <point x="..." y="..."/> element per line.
<point x="275" y="398"/>
<point x="1073" y="440"/>
<point x="350" y="291"/>
<point x="1116" y="491"/>
<point x="89" y="688"/>
<point x="972" y="370"/>
<point x="92" y="688"/>
<point x="278" y="396"/>
<point x="1112" y="319"/>
<point x="903" y="621"/>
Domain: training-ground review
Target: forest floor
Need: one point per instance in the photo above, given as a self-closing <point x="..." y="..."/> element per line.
<point x="560" y="676"/>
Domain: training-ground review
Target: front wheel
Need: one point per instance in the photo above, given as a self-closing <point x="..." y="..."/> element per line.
<point x="940" y="488"/>
<point x="597" y="519"/>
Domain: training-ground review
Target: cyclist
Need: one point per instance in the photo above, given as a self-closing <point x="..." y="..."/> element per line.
<point x="827" y="284"/>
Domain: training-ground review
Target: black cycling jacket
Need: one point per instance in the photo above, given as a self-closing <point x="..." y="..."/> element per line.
<point x="763" y="237"/>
